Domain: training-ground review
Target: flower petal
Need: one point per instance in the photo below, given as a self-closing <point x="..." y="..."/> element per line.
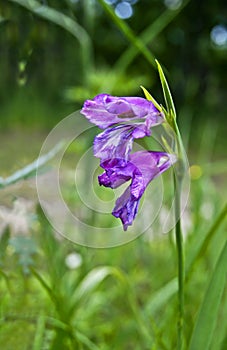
<point x="126" y="208"/>
<point x="142" y="168"/>
<point x="116" y="142"/>
<point x="116" y="173"/>
<point x="106" y="110"/>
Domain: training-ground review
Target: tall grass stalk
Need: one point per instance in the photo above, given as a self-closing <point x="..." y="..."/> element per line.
<point x="181" y="267"/>
<point x="70" y="25"/>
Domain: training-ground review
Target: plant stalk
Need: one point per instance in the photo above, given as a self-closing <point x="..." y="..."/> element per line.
<point x="181" y="267"/>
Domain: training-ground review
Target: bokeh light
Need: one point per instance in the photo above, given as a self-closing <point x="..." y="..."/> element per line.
<point x="124" y="10"/>
<point x="218" y="36"/>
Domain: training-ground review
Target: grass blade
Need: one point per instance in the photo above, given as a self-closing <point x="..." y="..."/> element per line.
<point x="161" y="297"/>
<point x="67" y="23"/>
<point x="166" y="92"/>
<point x="39" y="334"/>
<point x="30" y="170"/>
<point x="151" y="98"/>
<point x="127" y="31"/>
<point x="208" y="314"/>
<point x="198" y="251"/>
<point x="86" y="341"/>
<point x="148" y="35"/>
<point x="4" y="240"/>
<point x="48" y="289"/>
<point x="92" y="281"/>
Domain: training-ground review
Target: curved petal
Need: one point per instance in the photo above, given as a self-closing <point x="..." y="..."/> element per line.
<point x="126" y="208"/>
<point x="116" y="142"/>
<point x="106" y="110"/>
<point x="142" y="168"/>
<point x="117" y="172"/>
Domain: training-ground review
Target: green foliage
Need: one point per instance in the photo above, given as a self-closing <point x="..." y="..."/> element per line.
<point x="122" y="25"/>
<point x="4" y="239"/>
<point x="126" y="297"/>
<point x="66" y="23"/>
<point x="151" y="98"/>
<point x="209" y="312"/>
<point x="55" y="44"/>
<point x="29" y="171"/>
<point x="80" y="308"/>
<point x="24" y="248"/>
<point x="171" y="112"/>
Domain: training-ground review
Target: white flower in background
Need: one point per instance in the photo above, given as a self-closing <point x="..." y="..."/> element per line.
<point x="73" y="261"/>
<point x="18" y="217"/>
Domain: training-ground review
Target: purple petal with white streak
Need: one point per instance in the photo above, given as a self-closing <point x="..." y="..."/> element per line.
<point x="106" y="110"/>
<point x="142" y="168"/>
<point x="116" y="142"/>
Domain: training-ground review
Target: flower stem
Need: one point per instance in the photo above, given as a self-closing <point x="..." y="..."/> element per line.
<point x="181" y="268"/>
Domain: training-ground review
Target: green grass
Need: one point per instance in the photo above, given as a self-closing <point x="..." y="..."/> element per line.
<point x="118" y="298"/>
<point x="123" y="297"/>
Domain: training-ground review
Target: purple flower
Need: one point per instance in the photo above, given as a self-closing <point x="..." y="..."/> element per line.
<point x="123" y="120"/>
<point x="105" y="110"/>
<point x="116" y="141"/>
<point x="141" y="169"/>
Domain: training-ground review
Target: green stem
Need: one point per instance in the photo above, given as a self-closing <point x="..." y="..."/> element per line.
<point x="67" y="23"/>
<point x="201" y="250"/>
<point x="30" y="170"/>
<point x="181" y="268"/>
<point x="129" y="34"/>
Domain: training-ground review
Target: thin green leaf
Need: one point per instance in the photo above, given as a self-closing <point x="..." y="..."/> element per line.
<point x="86" y="341"/>
<point x="198" y="251"/>
<point x="44" y="284"/>
<point x="29" y="170"/>
<point x="67" y="23"/>
<point x="151" y="98"/>
<point x="127" y="31"/>
<point x="4" y="240"/>
<point x="6" y="279"/>
<point x="208" y="314"/>
<point x="161" y="297"/>
<point x="148" y="35"/>
<point x="166" y="92"/>
<point x="39" y="333"/>
<point x="92" y="280"/>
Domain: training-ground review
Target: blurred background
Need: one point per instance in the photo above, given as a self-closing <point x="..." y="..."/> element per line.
<point x="54" y="55"/>
<point x="50" y="66"/>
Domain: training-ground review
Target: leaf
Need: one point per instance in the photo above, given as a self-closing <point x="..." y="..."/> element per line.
<point x="150" y="98"/>
<point x="92" y="280"/>
<point x="68" y="24"/>
<point x="161" y="297"/>
<point x="31" y="169"/>
<point x="129" y="34"/>
<point x="148" y="35"/>
<point x="167" y="94"/>
<point x="39" y="333"/>
<point x="86" y="341"/>
<point x="45" y="285"/>
<point x="4" y="240"/>
<point x="208" y="314"/>
<point x="198" y="251"/>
